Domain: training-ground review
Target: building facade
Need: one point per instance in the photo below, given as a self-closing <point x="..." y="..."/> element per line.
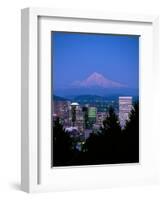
<point x="76" y="116"/>
<point x="61" y="109"/>
<point x="125" y="107"/>
<point x="92" y="114"/>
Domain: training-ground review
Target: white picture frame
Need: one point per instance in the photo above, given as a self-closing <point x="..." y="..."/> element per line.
<point x="36" y="171"/>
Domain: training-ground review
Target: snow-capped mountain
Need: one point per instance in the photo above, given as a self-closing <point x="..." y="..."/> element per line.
<point x="98" y="80"/>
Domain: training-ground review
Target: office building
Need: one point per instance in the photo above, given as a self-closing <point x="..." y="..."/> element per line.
<point x="125" y="106"/>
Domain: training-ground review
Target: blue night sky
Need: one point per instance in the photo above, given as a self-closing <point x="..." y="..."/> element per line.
<point x="76" y="56"/>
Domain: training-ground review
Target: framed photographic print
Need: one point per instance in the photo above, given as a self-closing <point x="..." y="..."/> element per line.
<point x="87" y="108"/>
<point x="93" y="115"/>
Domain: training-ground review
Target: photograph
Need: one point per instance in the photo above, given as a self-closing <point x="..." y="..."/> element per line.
<point x="94" y="99"/>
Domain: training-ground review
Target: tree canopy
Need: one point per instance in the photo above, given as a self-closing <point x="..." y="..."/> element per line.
<point x="109" y="145"/>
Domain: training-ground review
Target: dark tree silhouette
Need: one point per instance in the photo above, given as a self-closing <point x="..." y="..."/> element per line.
<point x="103" y="147"/>
<point x="62" y="145"/>
<point x="112" y="137"/>
<point x="131" y="135"/>
<point x="111" y="123"/>
<point x="109" y="145"/>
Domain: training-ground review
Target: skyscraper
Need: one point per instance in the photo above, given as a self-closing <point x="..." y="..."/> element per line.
<point x="74" y="107"/>
<point x="60" y="108"/>
<point x="76" y="116"/>
<point x="92" y="112"/>
<point x="125" y="106"/>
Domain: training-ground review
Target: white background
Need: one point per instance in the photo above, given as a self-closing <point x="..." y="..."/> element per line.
<point x="106" y="176"/>
<point x="10" y="97"/>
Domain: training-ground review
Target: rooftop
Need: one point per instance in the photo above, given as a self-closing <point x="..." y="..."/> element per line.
<point x="74" y="104"/>
<point x="125" y="97"/>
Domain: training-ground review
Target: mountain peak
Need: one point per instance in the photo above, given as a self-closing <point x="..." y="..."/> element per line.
<point x="97" y="79"/>
<point x="96" y="74"/>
